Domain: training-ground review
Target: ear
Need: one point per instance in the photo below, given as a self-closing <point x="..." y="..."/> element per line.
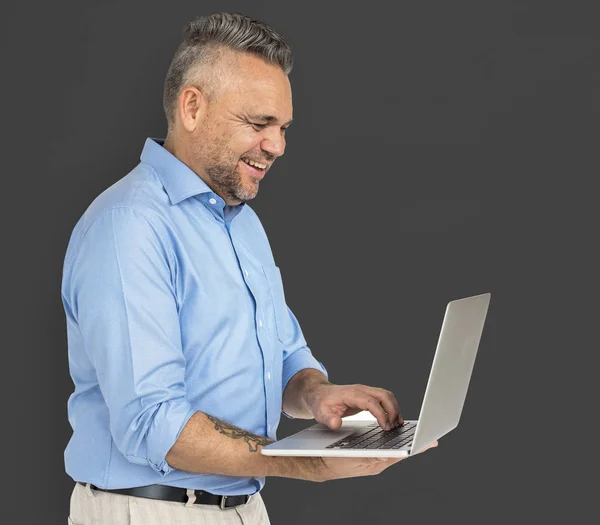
<point x="191" y="107"/>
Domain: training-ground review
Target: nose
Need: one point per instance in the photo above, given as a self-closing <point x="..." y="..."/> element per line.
<point x="274" y="143"/>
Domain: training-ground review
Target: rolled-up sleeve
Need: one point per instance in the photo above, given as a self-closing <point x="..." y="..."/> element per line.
<point x="297" y="356"/>
<point x="123" y="297"/>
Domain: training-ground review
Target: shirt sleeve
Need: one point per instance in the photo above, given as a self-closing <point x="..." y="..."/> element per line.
<point x="123" y="299"/>
<point x="297" y="356"/>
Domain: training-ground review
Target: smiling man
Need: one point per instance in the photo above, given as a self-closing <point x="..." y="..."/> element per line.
<point x="182" y="349"/>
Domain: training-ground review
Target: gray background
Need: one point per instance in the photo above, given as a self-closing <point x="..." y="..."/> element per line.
<point x="440" y="149"/>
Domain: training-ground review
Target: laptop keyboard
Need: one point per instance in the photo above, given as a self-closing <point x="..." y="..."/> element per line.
<point x="376" y="437"/>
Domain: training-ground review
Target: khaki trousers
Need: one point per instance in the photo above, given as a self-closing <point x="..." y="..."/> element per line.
<point x="95" y="507"/>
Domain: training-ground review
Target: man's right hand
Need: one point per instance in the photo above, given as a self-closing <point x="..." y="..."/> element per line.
<point x="326" y="469"/>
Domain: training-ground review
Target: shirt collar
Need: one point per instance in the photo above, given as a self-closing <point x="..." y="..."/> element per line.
<point x="179" y="181"/>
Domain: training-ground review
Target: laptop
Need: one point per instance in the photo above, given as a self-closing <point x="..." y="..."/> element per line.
<point x="442" y="404"/>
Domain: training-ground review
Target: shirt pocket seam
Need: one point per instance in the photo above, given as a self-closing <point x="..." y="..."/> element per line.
<point x="275" y="284"/>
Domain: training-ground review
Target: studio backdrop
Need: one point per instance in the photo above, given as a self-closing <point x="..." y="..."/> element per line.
<point x="439" y="150"/>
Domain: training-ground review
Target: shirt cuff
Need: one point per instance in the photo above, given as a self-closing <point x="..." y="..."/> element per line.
<point x="168" y="423"/>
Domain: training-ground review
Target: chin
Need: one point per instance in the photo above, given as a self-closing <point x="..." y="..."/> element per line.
<point x="249" y="192"/>
<point x="247" y="197"/>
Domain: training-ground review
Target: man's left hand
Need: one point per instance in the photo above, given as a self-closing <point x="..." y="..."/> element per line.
<point x="330" y="403"/>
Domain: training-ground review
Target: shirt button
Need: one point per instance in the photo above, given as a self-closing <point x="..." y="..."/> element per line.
<point x="246" y="272"/>
<point x="268" y="375"/>
<point x="260" y="323"/>
<point x="212" y="201"/>
<point x="269" y="428"/>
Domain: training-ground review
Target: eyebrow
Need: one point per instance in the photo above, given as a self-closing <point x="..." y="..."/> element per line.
<point x="268" y="118"/>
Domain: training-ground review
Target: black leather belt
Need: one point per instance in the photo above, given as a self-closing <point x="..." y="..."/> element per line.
<point x="167" y="493"/>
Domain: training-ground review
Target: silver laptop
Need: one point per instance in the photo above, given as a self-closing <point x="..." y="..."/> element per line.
<point x="441" y="409"/>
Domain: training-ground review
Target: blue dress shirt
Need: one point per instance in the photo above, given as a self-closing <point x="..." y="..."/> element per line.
<point x="173" y="304"/>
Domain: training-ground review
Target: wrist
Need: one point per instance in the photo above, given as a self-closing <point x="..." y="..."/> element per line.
<point x="300" y="393"/>
<point x="312" y="386"/>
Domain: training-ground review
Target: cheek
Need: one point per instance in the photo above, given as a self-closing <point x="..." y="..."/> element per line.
<point x="247" y="142"/>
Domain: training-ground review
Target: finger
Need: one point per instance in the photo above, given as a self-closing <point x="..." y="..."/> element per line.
<point x="388" y="402"/>
<point x="383" y="464"/>
<point x="332" y="417"/>
<point x="334" y="422"/>
<point x="393" y="461"/>
<point x="374" y="461"/>
<point x="377" y="461"/>
<point x="433" y="445"/>
<point x="364" y="401"/>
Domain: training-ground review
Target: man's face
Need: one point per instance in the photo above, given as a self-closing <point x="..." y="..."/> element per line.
<point x="246" y="121"/>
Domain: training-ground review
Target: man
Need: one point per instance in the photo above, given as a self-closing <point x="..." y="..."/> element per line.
<point x="182" y="349"/>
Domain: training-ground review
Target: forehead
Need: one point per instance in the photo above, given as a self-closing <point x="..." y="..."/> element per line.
<point x="258" y="87"/>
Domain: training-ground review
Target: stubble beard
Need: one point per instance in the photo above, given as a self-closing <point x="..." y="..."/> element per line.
<point x="228" y="181"/>
<point x="221" y="168"/>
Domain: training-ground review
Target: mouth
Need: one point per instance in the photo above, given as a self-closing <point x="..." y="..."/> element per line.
<point x="256" y="169"/>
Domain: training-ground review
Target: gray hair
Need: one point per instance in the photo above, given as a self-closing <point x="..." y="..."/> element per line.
<point x="204" y="39"/>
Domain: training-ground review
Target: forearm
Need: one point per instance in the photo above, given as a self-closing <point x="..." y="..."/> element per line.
<point x="207" y="445"/>
<point x="298" y="391"/>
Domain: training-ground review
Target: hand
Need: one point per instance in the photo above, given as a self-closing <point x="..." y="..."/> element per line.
<point x="330" y="403"/>
<point x="327" y="469"/>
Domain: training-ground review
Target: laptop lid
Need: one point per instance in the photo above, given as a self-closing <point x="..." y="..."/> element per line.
<point x="451" y="369"/>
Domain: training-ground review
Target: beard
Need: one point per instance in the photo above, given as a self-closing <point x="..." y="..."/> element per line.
<point x="221" y="166"/>
<point x="228" y="182"/>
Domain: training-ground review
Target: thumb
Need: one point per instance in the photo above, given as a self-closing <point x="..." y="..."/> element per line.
<point x="335" y="422"/>
<point x="375" y="460"/>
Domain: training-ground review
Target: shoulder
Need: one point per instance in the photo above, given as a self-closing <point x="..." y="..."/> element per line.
<point x="135" y="208"/>
<point x="140" y="191"/>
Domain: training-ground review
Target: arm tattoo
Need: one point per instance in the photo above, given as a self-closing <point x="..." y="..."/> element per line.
<point x="237" y="433"/>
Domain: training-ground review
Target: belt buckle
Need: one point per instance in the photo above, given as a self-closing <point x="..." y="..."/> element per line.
<point x="222" y="504"/>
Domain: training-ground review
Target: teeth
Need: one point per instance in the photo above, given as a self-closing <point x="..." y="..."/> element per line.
<point x="255" y="164"/>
